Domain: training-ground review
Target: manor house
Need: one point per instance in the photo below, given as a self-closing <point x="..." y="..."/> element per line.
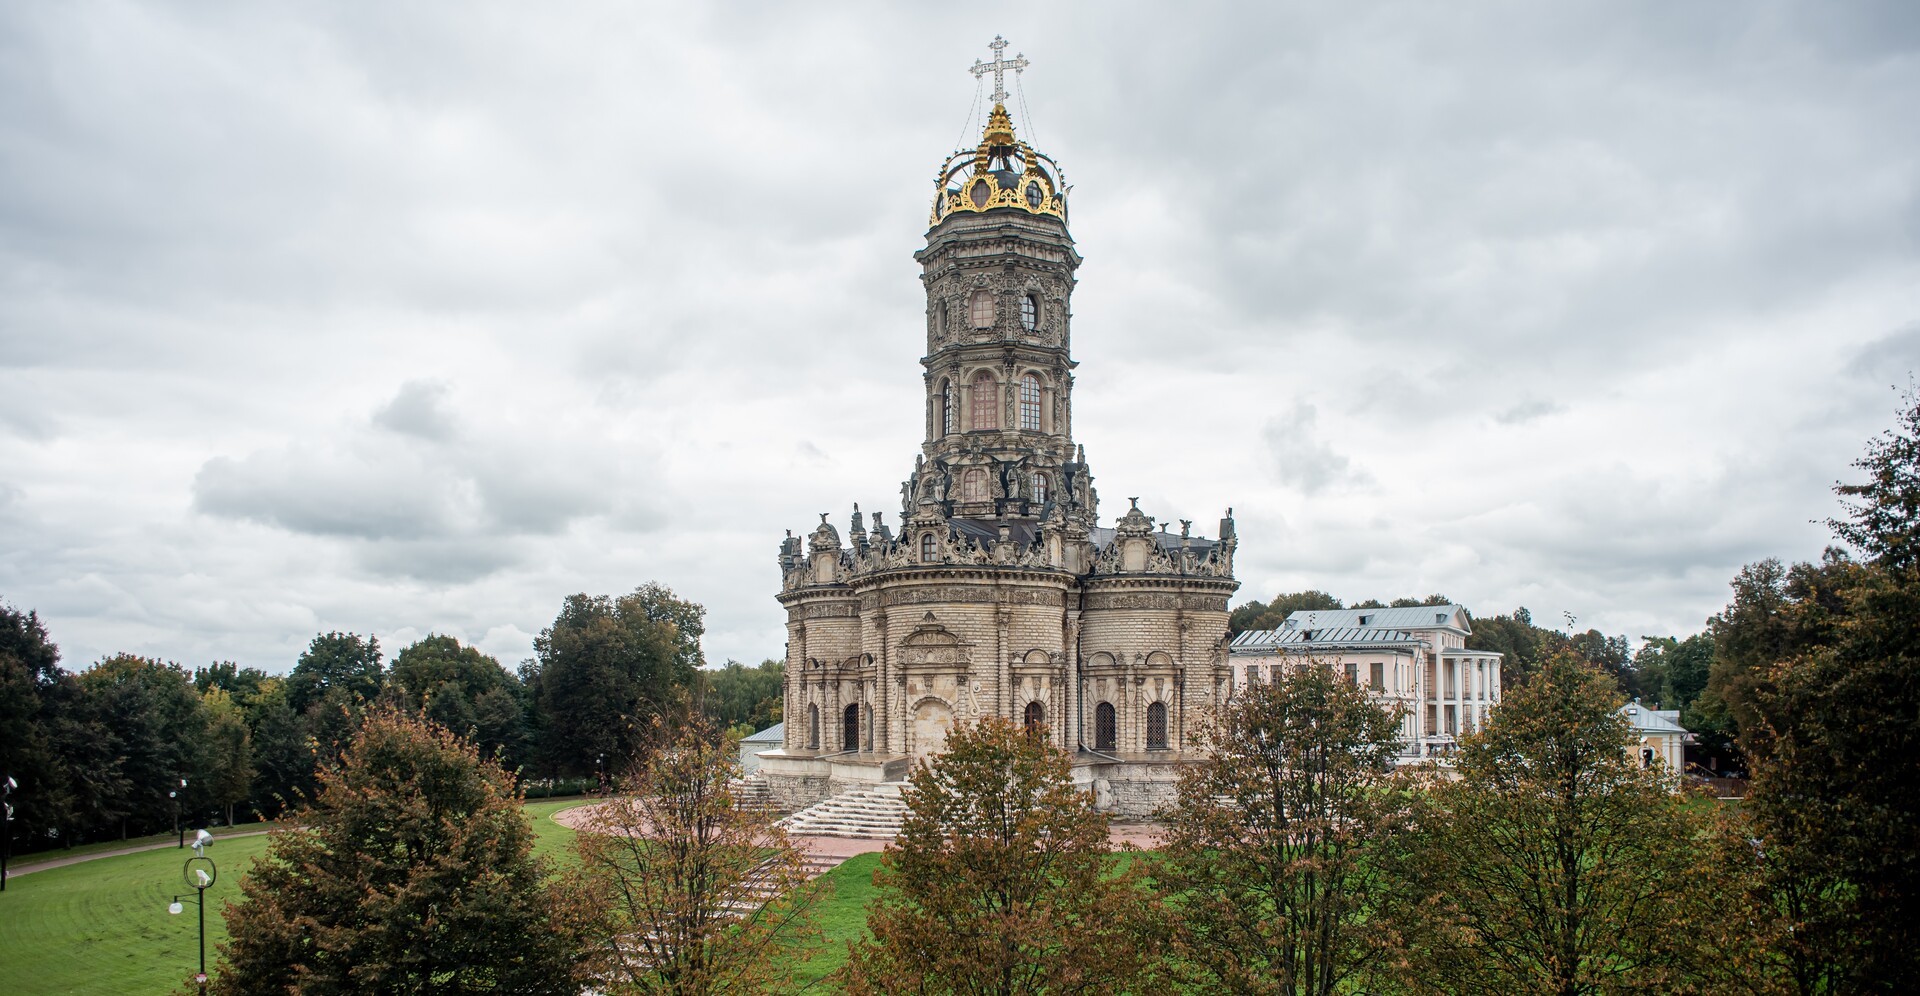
<point x="998" y="593"/>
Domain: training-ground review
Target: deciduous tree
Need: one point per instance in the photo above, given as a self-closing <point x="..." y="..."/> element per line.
<point x="1268" y="847"/>
<point x="1001" y="882"/>
<point x="700" y="895"/>
<point x="608" y="667"/>
<point x="1556" y="863"/>
<point x="411" y="873"/>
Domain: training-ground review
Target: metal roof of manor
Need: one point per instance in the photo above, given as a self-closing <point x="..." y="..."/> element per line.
<point x="1645" y="720"/>
<point x="773" y="734"/>
<point x="1347" y="636"/>
<point x="1407" y="617"/>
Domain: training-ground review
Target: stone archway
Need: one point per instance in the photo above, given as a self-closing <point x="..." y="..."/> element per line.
<point x="932" y="720"/>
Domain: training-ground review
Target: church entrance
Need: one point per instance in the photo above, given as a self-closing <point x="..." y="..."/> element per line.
<point x="850" y="728"/>
<point x="931" y="721"/>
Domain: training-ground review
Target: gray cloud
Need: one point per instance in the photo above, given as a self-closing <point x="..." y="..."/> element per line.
<point x="423" y="319"/>
<point x="1303" y="460"/>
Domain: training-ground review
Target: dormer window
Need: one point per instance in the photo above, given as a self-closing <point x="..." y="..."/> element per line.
<point x="1030" y="312"/>
<point x="928" y="554"/>
<point x="981" y="309"/>
<point x="1365" y="619"/>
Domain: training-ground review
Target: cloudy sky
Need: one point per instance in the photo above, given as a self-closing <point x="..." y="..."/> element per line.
<point x="412" y="318"/>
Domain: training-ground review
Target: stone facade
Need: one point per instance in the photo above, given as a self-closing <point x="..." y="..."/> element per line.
<point x="999" y="595"/>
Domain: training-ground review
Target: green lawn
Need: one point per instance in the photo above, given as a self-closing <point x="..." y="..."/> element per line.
<point x="102" y="926"/>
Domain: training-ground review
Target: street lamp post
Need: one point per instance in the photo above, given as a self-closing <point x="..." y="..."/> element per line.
<point x="600" y="773"/>
<point x="175" y="796"/>
<point x="199" y="873"/>
<point x="6" y="846"/>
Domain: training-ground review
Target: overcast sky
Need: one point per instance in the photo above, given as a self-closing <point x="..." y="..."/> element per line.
<point x="411" y="318"/>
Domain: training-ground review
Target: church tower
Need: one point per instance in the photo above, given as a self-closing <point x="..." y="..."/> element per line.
<point x="1000" y="594"/>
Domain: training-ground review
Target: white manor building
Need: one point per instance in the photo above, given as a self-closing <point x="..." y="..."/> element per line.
<point x="1415" y="657"/>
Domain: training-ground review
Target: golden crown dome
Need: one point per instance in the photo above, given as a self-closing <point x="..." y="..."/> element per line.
<point x="1001" y="173"/>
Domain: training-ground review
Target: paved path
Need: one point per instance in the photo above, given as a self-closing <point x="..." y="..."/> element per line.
<point x="15" y="870"/>
<point x="1142" y="835"/>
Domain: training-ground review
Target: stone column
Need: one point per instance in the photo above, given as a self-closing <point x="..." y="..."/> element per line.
<point x="1003" y="668"/>
<point x="883" y="691"/>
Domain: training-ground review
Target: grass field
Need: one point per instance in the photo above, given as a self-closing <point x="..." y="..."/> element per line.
<point x="102" y="927"/>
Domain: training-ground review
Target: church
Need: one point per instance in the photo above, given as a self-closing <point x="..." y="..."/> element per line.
<point x="997" y="592"/>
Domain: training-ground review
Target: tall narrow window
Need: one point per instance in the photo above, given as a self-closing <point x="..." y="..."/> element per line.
<point x="941" y="318"/>
<point x="1036" y="716"/>
<point x="1030" y="312"/>
<point x="949" y="409"/>
<point x="1379" y="675"/>
<point x="973" y="485"/>
<point x="813" y="727"/>
<point x="850" y="728"/>
<point x="1157" y="726"/>
<point x="1030" y="403"/>
<point x="1039" y="486"/>
<point x="1353" y="673"/>
<point x="981" y="308"/>
<point x="1103" y="733"/>
<point x="985" y="402"/>
<point x="927" y="553"/>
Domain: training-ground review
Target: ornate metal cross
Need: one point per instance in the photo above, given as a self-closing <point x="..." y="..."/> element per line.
<point x="998" y="67"/>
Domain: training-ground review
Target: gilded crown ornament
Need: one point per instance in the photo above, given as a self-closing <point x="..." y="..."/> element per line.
<point x="1002" y="172"/>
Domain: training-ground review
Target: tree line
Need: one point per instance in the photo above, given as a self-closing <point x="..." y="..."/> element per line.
<point x="131" y="744"/>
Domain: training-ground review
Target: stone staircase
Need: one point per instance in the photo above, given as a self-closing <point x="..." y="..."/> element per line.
<point x="753" y="792"/>
<point x="870" y="814"/>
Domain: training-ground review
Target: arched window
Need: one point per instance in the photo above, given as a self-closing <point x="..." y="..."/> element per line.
<point x="1030" y="403"/>
<point x="1103" y="735"/>
<point x="850" y="728"/>
<point x="813" y="727"/>
<point x="927" y="552"/>
<point x="1036" y="717"/>
<point x="1039" y="486"/>
<point x="973" y="485"/>
<point x="949" y="408"/>
<point x="985" y="402"/>
<point x="981" y="308"/>
<point x="1157" y="726"/>
<point x="1030" y="312"/>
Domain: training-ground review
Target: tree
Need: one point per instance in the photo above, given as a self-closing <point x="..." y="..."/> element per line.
<point x="152" y="723"/>
<point x="1827" y="694"/>
<point x="464" y="690"/>
<point x="606" y="668"/>
<point x="1268" y="615"/>
<point x="33" y="692"/>
<point x="1268" y="847"/>
<point x="345" y="662"/>
<point x="283" y="758"/>
<point x="700" y="895"/>
<point x="1556" y="863"/>
<point x="412" y="873"/>
<point x="1000" y="882"/>
<point x="1523" y="644"/>
<point x="741" y="698"/>
<point x="229" y="751"/>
